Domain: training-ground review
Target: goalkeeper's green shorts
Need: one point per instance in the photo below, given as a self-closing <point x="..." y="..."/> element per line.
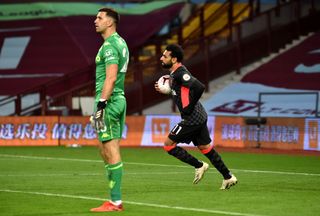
<point x="114" y="118"/>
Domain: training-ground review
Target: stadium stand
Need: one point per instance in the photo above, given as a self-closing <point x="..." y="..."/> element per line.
<point x="293" y="71"/>
<point x="288" y="81"/>
<point x="247" y="34"/>
<point x="58" y="55"/>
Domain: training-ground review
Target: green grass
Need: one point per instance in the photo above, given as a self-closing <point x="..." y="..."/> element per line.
<point x="62" y="181"/>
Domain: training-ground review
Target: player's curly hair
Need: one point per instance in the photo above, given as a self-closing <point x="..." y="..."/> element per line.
<point x="176" y="51"/>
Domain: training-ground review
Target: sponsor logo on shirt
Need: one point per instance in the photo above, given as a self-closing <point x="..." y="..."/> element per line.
<point x="108" y="53"/>
<point x="186" y="77"/>
<point x="105" y="135"/>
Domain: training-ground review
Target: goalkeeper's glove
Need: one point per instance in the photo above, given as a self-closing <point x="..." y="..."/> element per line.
<point x="92" y="121"/>
<point x="99" y="123"/>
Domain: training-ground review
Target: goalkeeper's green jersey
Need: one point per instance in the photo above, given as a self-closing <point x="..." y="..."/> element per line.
<point x="114" y="50"/>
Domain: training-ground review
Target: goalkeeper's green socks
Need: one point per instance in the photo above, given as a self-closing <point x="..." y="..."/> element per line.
<point x="114" y="174"/>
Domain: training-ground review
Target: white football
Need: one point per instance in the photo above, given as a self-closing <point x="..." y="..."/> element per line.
<point x="164" y="84"/>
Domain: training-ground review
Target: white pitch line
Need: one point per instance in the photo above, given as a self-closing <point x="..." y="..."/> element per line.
<point x="160" y="165"/>
<point x="52" y="175"/>
<point x="133" y="203"/>
<point x="50" y="158"/>
<point x="277" y="172"/>
<point x="88" y="174"/>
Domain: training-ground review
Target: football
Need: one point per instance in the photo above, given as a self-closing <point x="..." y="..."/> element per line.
<point x="164" y="84"/>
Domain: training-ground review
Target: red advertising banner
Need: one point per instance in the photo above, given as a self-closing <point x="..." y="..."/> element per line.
<point x="312" y="134"/>
<point x="132" y="135"/>
<point x="157" y="128"/>
<point x="54" y="131"/>
<point x="75" y="130"/>
<point x="282" y="133"/>
<point x="229" y="132"/>
<point x="151" y="130"/>
<point x="28" y="131"/>
<point x="160" y="129"/>
<point x="277" y="133"/>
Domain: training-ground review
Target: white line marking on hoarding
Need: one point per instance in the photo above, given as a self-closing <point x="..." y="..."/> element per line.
<point x="151" y="164"/>
<point x="132" y="203"/>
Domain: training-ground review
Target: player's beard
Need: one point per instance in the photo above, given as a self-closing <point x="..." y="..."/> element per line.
<point x="166" y="66"/>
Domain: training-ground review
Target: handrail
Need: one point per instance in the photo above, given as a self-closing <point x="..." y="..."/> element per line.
<point x="7" y="100"/>
<point x="43" y="87"/>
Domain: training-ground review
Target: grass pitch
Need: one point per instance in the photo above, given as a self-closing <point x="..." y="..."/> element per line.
<point x="61" y="181"/>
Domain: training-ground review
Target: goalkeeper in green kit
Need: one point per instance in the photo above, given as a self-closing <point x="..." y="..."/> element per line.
<point x="110" y="103"/>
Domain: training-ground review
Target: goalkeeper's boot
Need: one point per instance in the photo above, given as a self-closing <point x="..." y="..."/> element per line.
<point x="227" y="183"/>
<point x="199" y="172"/>
<point x="107" y="207"/>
